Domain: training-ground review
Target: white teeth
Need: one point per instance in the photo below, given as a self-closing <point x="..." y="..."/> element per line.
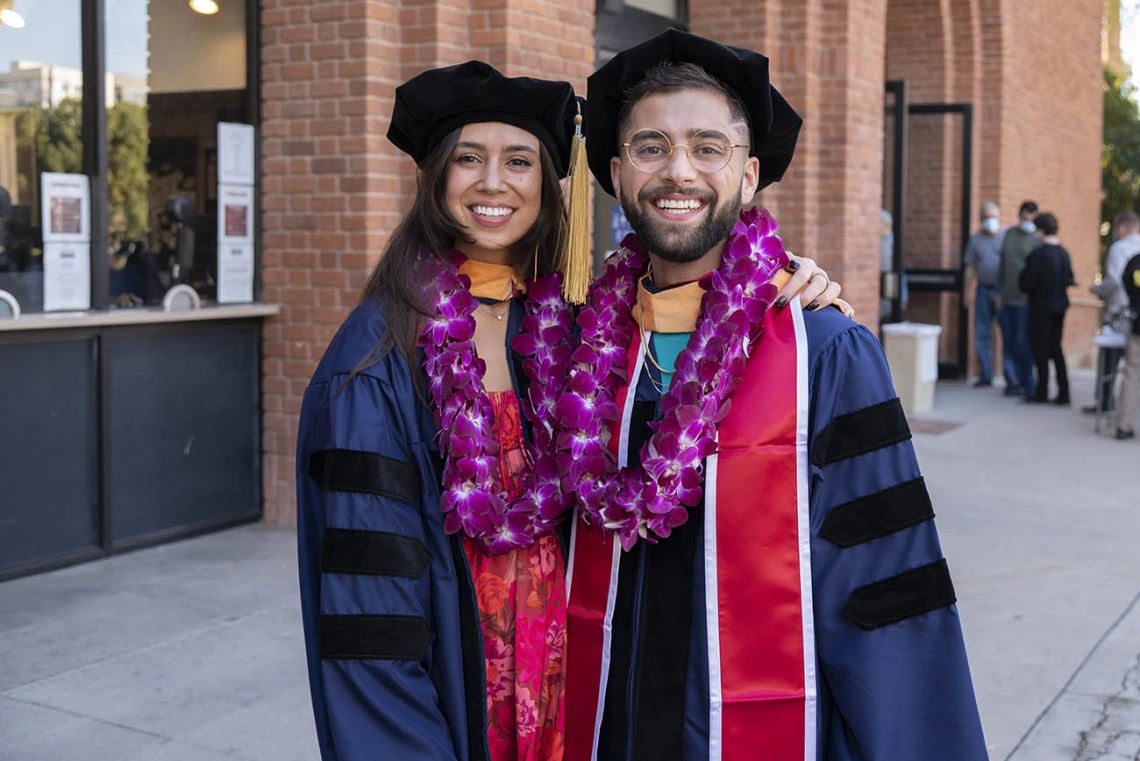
<point x="492" y="211"/>
<point x="672" y="204"/>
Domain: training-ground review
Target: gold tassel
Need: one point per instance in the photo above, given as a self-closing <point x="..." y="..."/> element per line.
<point x="575" y="259"/>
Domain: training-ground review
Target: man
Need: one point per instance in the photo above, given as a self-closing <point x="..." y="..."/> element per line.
<point x="1013" y="315"/>
<point x="982" y="258"/>
<point x="1126" y="233"/>
<point x="1126" y="244"/>
<point x="793" y="604"/>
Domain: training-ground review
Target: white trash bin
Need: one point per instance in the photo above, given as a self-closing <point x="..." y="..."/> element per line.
<point x="912" y="353"/>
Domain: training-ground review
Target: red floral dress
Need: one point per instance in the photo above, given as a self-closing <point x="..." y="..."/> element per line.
<point x="522" y="606"/>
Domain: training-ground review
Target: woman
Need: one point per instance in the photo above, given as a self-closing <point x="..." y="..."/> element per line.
<point x="1046" y="278"/>
<point x="432" y="572"/>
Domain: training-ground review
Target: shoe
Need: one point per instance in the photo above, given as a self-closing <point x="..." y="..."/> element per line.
<point x="983" y="383"/>
<point x="1061" y="401"/>
<point x="1123" y="435"/>
<point x="1013" y="391"/>
<point x="1090" y="409"/>
<point x="1035" y="399"/>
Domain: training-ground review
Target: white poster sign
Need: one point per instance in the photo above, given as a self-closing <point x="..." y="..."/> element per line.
<point x="235" y="214"/>
<point x="66" y="207"/>
<point x="235" y="153"/>
<point x="67" y="276"/>
<point x="235" y="272"/>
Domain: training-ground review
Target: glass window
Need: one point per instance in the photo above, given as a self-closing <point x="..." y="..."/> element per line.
<point x="41" y="130"/>
<point x="666" y="8"/>
<point x="173" y="73"/>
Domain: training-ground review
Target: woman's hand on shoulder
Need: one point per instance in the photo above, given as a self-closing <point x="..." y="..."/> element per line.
<point x="812" y="285"/>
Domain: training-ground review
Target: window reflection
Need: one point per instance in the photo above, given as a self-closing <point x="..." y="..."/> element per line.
<point x="41" y="130"/>
<point x="176" y="73"/>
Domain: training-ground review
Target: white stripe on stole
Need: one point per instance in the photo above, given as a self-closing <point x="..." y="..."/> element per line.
<point x="712" y="614"/>
<point x="802" y="498"/>
<point x="573" y="544"/>
<point x="615" y="564"/>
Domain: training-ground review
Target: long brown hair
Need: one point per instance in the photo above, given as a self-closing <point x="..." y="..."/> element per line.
<point x="430" y="230"/>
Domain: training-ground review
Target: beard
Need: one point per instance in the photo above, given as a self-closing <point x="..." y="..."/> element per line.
<point x="674" y="242"/>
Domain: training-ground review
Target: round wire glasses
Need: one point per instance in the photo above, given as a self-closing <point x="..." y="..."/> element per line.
<point x="709" y="150"/>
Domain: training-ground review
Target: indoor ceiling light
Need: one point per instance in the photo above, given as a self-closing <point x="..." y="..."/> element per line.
<point x="205" y="7"/>
<point x="9" y="17"/>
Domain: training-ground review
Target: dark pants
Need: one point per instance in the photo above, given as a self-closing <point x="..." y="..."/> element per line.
<point x="1107" y="360"/>
<point x="1045" y="331"/>
<point x="1018" y="357"/>
<point x="985" y="310"/>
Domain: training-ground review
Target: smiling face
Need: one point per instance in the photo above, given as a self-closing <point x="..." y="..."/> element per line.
<point x="680" y="212"/>
<point x="494" y="189"/>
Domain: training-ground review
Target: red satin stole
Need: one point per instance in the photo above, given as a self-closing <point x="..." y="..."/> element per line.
<point x="758" y="581"/>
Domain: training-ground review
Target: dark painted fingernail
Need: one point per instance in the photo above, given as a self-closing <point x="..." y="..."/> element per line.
<point x="793" y="265"/>
<point x="813" y="306"/>
<point x="782" y="301"/>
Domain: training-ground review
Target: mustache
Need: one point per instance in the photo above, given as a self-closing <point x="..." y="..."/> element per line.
<point x="648" y="194"/>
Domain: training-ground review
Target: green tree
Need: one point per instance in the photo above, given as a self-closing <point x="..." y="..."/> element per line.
<point x="1120" y="159"/>
<point x="128" y="183"/>
<point x="59" y="137"/>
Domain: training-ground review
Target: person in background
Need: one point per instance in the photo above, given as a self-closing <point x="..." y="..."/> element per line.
<point x="983" y="271"/>
<point x="1013" y="315"/>
<point x="1111" y="288"/>
<point x="1047" y="275"/>
<point x="1130" y="398"/>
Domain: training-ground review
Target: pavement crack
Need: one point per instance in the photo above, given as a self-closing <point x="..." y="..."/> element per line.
<point x="1099" y="741"/>
<point x="1131" y="677"/>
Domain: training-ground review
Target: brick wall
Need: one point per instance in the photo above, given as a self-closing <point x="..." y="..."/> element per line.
<point x="333" y="187"/>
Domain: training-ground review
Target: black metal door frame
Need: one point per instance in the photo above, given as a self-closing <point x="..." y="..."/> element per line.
<point x="890" y="285"/>
<point x="937" y="280"/>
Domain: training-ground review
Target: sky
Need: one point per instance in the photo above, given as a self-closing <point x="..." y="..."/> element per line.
<point x="51" y="35"/>
<point x="1130" y="38"/>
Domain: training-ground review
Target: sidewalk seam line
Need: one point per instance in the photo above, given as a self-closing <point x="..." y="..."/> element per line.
<point x="128" y="728"/>
<point x="1073" y="676"/>
<point x="173" y="638"/>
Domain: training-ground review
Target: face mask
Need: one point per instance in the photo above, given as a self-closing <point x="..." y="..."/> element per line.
<point x="991" y="225"/>
<point x="1028" y="227"/>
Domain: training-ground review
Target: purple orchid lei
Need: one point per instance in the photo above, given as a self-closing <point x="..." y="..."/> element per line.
<point x="649" y="501"/>
<point x="472" y="500"/>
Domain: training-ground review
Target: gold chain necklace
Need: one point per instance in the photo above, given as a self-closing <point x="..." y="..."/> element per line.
<point x="497" y="315"/>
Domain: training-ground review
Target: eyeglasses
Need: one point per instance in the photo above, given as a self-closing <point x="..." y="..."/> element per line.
<point x="709" y="151"/>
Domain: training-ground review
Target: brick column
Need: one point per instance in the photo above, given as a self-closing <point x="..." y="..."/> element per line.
<point x="330" y="195"/>
<point x="333" y="187"/>
<point x="535" y="38"/>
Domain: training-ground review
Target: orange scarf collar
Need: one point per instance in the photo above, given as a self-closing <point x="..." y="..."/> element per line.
<point x="492" y="281"/>
<point x="676" y="309"/>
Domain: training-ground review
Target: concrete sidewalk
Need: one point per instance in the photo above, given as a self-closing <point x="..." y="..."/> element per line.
<point x="188" y="652"/>
<point x="193" y="651"/>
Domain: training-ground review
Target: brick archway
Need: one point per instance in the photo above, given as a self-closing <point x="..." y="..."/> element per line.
<point x="933" y="45"/>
